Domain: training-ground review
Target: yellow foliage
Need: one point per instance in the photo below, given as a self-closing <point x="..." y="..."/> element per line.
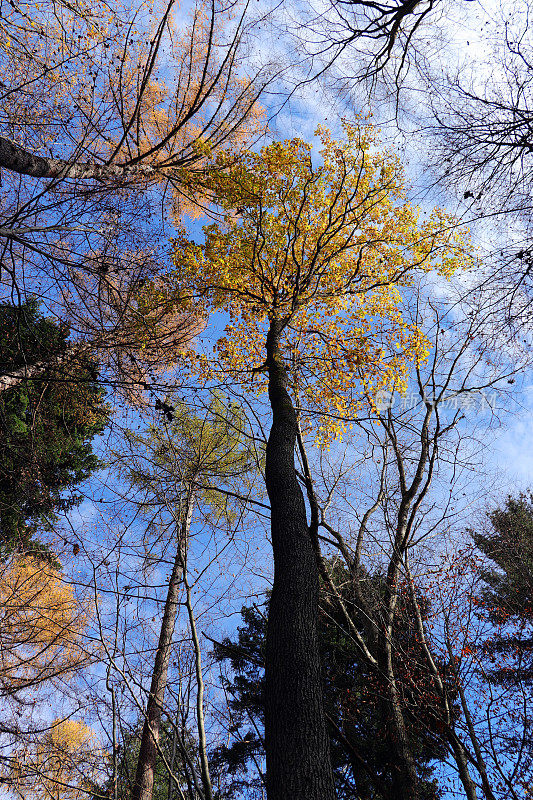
<point x="324" y="249"/>
<point x="41" y="626"/>
<point x="60" y="765"/>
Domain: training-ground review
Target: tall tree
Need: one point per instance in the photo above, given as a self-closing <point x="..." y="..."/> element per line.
<point x="47" y="422"/>
<point x="310" y="270"/>
<point x="355" y="697"/>
<point x="507" y="596"/>
<point x="176" y="469"/>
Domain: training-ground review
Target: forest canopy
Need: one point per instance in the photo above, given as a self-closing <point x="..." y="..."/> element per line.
<point x="265" y="354"/>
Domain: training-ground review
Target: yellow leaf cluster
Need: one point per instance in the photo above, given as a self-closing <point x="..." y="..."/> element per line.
<point x="41" y="626"/>
<point x="323" y="246"/>
<point x="60" y="764"/>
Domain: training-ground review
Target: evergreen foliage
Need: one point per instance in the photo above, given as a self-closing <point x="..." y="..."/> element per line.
<point x="354" y="696"/>
<point x="507" y="596"/>
<point x="179" y="752"/>
<point x="47" y="424"/>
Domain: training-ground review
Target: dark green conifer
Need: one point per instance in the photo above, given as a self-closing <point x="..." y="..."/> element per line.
<point x="507" y="596"/>
<point x="48" y="421"/>
<point x="355" y="699"/>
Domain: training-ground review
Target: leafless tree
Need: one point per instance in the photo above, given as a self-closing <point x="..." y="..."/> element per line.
<point x="411" y="443"/>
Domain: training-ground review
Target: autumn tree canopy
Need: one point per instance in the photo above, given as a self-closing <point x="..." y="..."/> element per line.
<point x="43" y="623"/>
<point x="99" y="79"/>
<point x="61" y="765"/>
<point x="109" y="119"/>
<point x="308" y="264"/>
<point x="320" y="246"/>
<point x="255" y="350"/>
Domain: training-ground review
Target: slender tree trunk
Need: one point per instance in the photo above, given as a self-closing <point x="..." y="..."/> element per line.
<point x="14" y="377"/>
<point x="405" y="785"/>
<point x="296" y="737"/>
<point x="404" y="775"/>
<point x="202" y="739"/>
<point x="16" y="158"/>
<point x="171" y="779"/>
<point x="145" y="772"/>
<point x="462" y="766"/>
<point x="454" y="742"/>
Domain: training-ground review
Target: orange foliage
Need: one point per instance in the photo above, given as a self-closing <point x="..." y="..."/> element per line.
<point x="60" y="765"/>
<point x="130" y="86"/>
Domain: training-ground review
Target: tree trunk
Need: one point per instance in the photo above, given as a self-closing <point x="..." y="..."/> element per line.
<point x="145" y="772"/>
<point x="28" y="372"/>
<point x="296" y="737"/>
<point x="405" y="783"/>
<point x="16" y="158"/>
<point x="462" y="767"/>
<point x="200" y="720"/>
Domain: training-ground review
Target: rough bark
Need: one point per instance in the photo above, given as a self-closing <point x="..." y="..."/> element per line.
<point x="17" y="159"/>
<point x="404" y="776"/>
<point x="296" y="737"/>
<point x="145" y="772"/>
<point x="405" y="784"/>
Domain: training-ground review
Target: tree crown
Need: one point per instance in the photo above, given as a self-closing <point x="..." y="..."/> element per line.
<point x="322" y="249"/>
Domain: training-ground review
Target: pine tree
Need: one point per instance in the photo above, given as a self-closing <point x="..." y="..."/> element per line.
<point x="186" y="464"/>
<point x="507" y="596"/>
<point x="47" y="424"/>
<point x="354" y="699"/>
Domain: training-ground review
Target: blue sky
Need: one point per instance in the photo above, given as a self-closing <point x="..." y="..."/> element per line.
<point x="244" y="570"/>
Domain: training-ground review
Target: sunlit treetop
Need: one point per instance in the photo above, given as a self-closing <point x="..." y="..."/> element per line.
<point x="324" y="247"/>
<point x="190" y="455"/>
<point x="143" y="85"/>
